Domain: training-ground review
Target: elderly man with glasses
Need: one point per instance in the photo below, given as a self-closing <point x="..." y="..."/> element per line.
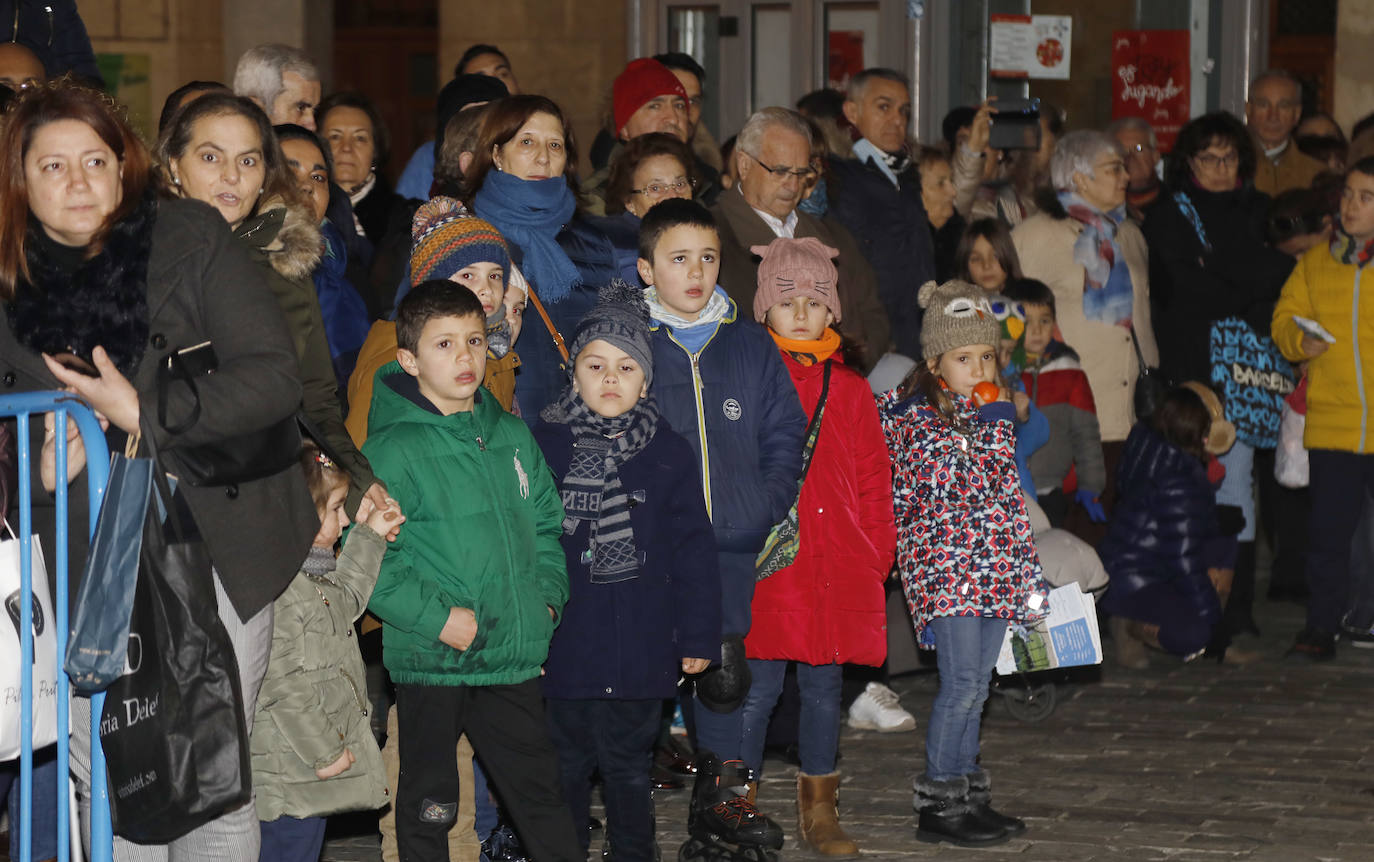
<point x="877" y="196"/>
<point x="776" y="172"/>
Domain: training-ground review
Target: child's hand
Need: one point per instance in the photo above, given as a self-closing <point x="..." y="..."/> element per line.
<point x="460" y="629"/>
<point x="1313" y="347"/>
<point x="339" y="766"/>
<point x="695" y="665"/>
<point x="381" y="501"/>
<point x="1022" y="402"/>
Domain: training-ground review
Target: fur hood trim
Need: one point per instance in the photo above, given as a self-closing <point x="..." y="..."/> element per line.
<point x="288" y="235"/>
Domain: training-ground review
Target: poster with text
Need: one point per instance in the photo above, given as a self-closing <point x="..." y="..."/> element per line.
<point x="1030" y="46"/>
<point x="1150" y="76"/>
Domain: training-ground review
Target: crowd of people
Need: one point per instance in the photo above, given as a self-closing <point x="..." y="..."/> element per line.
<point x="587" y="459"/>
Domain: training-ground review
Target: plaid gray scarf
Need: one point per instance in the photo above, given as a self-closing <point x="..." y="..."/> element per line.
<point x="591" y="490"/>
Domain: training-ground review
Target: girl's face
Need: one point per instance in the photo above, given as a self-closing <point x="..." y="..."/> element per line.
<point x="487" y="280"/>
<point x="537" y="151"/>
<point x="965" y="367"/>
<point x="515" y="300"/>
<point x="985" y="267"/>
<point x="335" y="518"/>
<point x="223" y="166"/>
<point x="800" y="318"/>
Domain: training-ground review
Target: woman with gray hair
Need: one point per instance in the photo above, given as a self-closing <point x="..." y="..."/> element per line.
<point x="1095" y="261"/>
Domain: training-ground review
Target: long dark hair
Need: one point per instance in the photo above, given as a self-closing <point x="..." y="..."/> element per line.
<point x="1183" y="420"/>
<point x="1218" y="127"/>
<point x="34" y="108"/>
<point x="998" y="237"/>
<point x="925" y="382"/>
<point x="503" y="121"/>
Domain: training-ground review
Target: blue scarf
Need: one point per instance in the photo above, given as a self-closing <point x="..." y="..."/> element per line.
<point x="530" y="214"/>
<point x="1108" y="295"/>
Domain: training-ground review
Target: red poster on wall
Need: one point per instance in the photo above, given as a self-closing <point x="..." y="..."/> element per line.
<point x="1150" y="77"/>
<point x="846" y="57"/>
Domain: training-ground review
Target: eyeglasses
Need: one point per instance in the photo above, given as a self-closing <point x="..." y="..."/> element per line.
<point x="1212" y="162"/>
<point x="782" y="172"/>
<point x="656" y="190"/>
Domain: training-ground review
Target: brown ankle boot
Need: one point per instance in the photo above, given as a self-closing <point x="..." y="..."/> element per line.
<point x="818" y="818"/>
<point x="1130" y="650"/>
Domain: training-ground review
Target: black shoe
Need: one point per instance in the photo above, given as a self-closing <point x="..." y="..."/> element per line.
<point x="1010" y="825"/>
<point x="965" y="829"/>
<point x="1287" y="593"/>
<point x="1358" y="638"/>
<point x="662" y="779"/>
<point x="1313" y="644"/>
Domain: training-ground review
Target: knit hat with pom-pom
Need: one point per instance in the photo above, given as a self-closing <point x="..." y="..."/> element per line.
<point x="621" y="318"/>
<point x="957" y="314"/>
<point x="445" y="237"/>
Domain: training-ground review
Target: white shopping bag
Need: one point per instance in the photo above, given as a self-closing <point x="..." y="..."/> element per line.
<point x="1066" y="637"/>
<point x="44" y="653"/>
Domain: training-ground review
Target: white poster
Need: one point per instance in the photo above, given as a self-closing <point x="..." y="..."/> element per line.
<point x="1029" y="46"/>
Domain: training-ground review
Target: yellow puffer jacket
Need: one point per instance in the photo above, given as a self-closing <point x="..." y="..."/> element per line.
<point x="1340" y="382"/>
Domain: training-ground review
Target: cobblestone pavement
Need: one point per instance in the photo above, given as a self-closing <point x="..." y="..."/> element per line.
<point x="1272" y="761"/>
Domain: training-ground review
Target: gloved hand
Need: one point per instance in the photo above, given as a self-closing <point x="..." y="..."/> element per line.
<point x="1088" y="500"/>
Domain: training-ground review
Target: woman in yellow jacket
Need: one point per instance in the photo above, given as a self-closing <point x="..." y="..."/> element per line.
<point x="1328" y="286"/>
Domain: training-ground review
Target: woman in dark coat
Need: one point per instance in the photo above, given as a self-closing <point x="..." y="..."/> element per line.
<point x="98" y="271"/>
<point x="523" y="180"/>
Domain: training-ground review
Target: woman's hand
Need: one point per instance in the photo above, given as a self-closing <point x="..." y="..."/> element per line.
<point x="980" y="130"/>
<point x="111" y="394"/>
<point x="76" y="451"/>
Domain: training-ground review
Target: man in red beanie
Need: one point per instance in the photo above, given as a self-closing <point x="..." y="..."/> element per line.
<point x="646" y="97"/>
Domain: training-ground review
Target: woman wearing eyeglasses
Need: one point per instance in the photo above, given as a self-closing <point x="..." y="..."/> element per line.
<point x="649" y="169"/>
<point x="1213" y="278"/>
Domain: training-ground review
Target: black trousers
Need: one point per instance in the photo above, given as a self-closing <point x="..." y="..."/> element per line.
<point x="508" y="729"/>
<point x="1340" y="481"/>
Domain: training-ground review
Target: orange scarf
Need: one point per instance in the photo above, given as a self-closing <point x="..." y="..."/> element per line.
<point x="809" y="352"/>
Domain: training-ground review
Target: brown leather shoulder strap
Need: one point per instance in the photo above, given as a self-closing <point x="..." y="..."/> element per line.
<point x="548" y="323"/>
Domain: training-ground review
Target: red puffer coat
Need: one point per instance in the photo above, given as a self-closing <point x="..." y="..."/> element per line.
<point x="829" y="605"/>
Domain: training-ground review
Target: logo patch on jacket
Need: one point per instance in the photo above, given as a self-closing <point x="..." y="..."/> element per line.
<point x="732" y="410"/>
<point x="438" y="812"/>
<point x="521" y="475"/>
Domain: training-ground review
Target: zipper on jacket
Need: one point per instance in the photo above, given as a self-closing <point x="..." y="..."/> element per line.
<point x="1359" y="370"/>
<point x="480" y="445"/>
<point x="357" y="698"/>
<point x="47" y="9"/>
<point x="695" y="360"/>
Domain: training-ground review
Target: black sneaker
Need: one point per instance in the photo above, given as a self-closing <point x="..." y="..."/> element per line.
<point x="1359" y="638"/>
<point x="1314" y="644"/>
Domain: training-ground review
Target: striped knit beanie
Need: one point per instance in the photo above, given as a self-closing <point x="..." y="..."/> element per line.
<point x="445" y="237"/>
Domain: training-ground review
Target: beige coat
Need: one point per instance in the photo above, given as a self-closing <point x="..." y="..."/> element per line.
<point x="1045" y="246"/>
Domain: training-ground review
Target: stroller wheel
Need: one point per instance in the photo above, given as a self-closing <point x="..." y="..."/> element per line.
<point x="1029" y="702"/>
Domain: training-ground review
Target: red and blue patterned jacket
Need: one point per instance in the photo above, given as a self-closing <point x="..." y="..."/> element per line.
<point x="964" y="544"/>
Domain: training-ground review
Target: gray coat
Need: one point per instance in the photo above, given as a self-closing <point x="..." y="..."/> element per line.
<point x="202" y="286"/>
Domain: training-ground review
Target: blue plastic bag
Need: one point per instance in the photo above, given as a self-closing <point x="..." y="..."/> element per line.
<point x="99" y="641"/>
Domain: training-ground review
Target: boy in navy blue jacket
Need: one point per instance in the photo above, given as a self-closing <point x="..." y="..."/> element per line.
<point x="645" y="592"/>
<point x="720" y="382"/>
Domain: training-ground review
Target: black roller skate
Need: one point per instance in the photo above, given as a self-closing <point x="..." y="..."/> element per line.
<point x="723" y="824"/>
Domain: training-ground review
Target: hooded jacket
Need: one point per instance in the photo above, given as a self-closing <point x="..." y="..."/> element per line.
<point x="1340" y="382"/>
<point x="829" y="606"/>
<point x="1162" y="520"/>
<point x="483" y="522"/>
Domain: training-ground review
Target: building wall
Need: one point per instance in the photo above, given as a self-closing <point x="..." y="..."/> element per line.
<point x="568" y="50"/>
<point x="1354" y="72"/>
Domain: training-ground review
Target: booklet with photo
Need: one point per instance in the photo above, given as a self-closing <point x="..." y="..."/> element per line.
<point x="1067" y="637"/>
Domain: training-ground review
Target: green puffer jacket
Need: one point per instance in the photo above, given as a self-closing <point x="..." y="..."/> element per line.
<point x="483" y="519"/>
<point x="313" y="701"/>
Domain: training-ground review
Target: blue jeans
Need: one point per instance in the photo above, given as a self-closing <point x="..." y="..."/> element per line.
<point x="615" y="738"/>
<point x="966" y="653"/>
<point x="292" y="839"/>
<point x="819" y="734"/>
<point x="1238" y="488"/>
<point x="44" y="803"/>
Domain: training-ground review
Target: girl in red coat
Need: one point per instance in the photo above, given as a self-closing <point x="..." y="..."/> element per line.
<point x="827" y="607"/>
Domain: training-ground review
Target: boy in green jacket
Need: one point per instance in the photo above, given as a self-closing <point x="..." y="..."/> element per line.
<point x="469" y="594"/>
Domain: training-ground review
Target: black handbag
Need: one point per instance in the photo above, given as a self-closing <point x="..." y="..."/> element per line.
<point x="172" y="728"/>
<point x="1150" y="386"/>
<point x="255" y="455"/>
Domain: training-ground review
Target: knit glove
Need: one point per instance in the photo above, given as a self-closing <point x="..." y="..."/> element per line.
<point x="1088" y="500"/>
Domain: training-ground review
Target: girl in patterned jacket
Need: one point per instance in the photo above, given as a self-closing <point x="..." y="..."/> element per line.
<point x="964" y="546"/>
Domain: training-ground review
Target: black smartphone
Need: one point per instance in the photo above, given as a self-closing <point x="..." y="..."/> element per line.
<point x="72" y="362"/>
<point x="194" y="361"/>
<point x="1016" y="125"/>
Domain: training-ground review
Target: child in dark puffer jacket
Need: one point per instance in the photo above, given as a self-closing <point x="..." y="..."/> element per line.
<point x="1164" y="548"/>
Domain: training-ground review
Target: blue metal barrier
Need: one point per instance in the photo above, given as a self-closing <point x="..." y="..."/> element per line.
<point x="23" y="407"/>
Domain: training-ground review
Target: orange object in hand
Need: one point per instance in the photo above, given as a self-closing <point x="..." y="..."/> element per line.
<point x="987" y="392"/>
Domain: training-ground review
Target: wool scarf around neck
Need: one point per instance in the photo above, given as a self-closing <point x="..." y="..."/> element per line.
<point x="1345" y="249"/>
<point x="530" y="214"/>
<point x="1108" y="295"/>
<point x="808" y="352"/>
<point x="591" y="490"/>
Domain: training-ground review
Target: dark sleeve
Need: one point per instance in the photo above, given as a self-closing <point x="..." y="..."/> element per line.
<point x="694" y="569"/>
<point x="860" y="282"/>
<point x="70" y="44"/>
<point x="781" y="433"/>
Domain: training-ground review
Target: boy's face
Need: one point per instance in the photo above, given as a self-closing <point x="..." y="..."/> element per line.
<point x="1039" y="328"/>
<point x="609" y="381"/>
<point x="484" y="279"/>
<point x="684" y="269"/>
<point x="515" y="311"/>
<point x="449" y="361"/>
<point x="801" y="318"/>
<point x="965" y="367"/>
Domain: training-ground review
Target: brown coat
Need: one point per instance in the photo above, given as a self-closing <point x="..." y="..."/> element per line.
<point x="1293" y="170"/>
<point x="865" y="318"/>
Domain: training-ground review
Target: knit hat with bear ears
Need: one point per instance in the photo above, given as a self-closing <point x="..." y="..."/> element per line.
<point x="957" y="314"/>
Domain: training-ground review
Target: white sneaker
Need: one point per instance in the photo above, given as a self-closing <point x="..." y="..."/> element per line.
<point x="877" y="709"/>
